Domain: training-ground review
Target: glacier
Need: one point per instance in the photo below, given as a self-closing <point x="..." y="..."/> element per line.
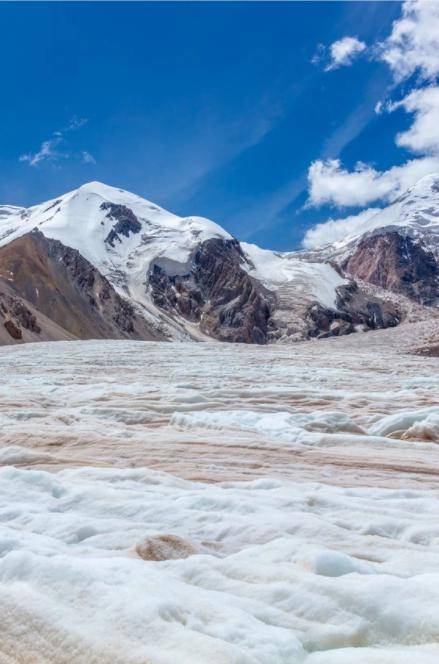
<point x="165" y="503"/>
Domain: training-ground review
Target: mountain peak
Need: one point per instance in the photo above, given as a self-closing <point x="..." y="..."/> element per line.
<point x="101" y="188"/>
<point x="424" y="188"/>
<point x="415" y="212"/>
<point x="115" y="230"/>
<point x="429" y="182"/>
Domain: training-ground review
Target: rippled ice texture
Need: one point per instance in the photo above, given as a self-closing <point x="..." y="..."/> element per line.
<point x="193" y="503"/>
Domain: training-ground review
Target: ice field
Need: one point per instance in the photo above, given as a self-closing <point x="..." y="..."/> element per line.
<point x="192" y="503"/>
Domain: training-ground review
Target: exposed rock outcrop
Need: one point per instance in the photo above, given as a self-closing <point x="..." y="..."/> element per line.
<point x="230" y="305"/>
<point x="164" y="547"/>
<point x="16" y="312"/>
<point x="64" y="287"/>
<point x="397" y="263"/>
<point x="355" y="310"/>
<point x="13" y="330"/>
<point x="217" y="293"/>
<point x="126" y="222"/>
<point x="21" y="322"/>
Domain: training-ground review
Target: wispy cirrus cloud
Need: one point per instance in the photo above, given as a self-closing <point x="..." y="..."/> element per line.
<point x="56" y="148"/>
<point x="87" y="158"/>
<point x="268" y="208"/>
<point x="75" y="123"/>
<point x="48" y="151"/>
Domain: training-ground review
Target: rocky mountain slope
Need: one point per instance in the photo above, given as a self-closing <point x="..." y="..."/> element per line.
<point x="399" y="249"/>
<point x="100" y="262"/>
<point x="63" y="286"/>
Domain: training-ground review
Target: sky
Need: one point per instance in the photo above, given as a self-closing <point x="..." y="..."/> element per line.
<point x="287" y="123"/>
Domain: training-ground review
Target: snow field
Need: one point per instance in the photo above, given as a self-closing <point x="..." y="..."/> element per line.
<point x="280" y="571"/>
<point x="297" y="522"/>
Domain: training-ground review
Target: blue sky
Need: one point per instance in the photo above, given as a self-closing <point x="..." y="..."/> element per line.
<point x="214" y="109"/>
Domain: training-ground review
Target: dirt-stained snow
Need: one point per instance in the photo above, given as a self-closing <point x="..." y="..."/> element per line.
<point x="193" y="503"/>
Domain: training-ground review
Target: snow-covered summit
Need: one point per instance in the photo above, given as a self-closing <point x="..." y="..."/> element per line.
<point x="416" y="212"/>
<point x="118" y="232"/>
<point x="84" y="218"/>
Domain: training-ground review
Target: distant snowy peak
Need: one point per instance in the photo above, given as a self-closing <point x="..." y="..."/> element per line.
<point x="398" y="247"/>
<point x="416" y="212"/>
<point x="7" y="211"/>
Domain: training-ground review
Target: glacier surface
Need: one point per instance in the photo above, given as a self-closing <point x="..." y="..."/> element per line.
<point x="164" y="503"/>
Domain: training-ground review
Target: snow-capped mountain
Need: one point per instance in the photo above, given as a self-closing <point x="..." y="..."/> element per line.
<point x="103" y="262"/>
<point x="415" y="213"/>
<point x="398" y="248"/>
<point x="119" y="233"/>
<point x="122" y="235"/>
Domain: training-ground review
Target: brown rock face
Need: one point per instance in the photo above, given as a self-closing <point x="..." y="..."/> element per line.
<point x="218" y="293"/>
<point x="231" y="306"/>
<point x="126" y="222"/>
<point x="396" y="263"/>
<point x="354" y="309"/>
<point x="17" y="310"/>
<point x="21" y="322"/>
<point x="64" y="287"/>
<point x="13" y="330"/>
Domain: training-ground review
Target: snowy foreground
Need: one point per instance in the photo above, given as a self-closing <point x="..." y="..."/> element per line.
<point x="208" y="503"/>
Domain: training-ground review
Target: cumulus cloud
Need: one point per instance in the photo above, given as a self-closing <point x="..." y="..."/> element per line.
<point x="344" y="51"/>
<point x="423" y="135"/>
<point x="49" y="150"/>
<point x="411" y="48"/>
<point x="337" y="229"/>
<point x="330" y="183"/>
<point x="413" y="45"/>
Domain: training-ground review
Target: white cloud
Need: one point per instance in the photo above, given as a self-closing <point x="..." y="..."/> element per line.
<point x="413" y="45"/>
<point x="49" y="151"/>
<point x="87" y="158"/>
<point x="423" y="135"/>
<point x="344" y="51"/>
<point x="76" y="123"/>
<point x="330" y="183"/>
<point x="319" y="54"/>
<point x="338" y="229"/>
<point x="411" y="48"/>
